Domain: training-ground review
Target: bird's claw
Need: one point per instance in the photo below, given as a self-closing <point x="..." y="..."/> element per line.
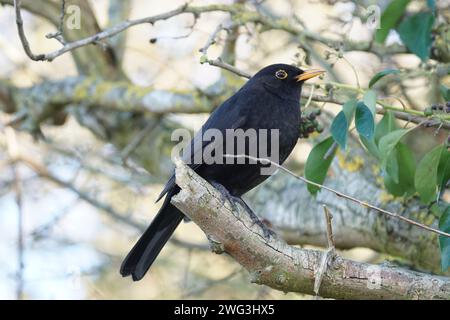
<point x="233" y="200"/>
<point x="225" y="195"/>
<point x="268" y="233"/>
<point x="255" y="219"/>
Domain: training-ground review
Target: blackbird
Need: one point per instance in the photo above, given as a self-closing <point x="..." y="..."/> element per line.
<point x="269" y="100"/>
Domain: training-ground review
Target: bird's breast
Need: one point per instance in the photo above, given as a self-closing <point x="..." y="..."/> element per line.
<point x="284" y="117"/>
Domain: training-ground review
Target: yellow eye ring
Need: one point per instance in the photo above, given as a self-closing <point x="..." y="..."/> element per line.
<point x="281" y="74"/>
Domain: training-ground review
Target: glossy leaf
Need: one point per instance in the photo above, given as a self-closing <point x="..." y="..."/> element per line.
<point x="370" y="100"/>
<point x="364" y="120"/>
<point x="339" y="127"/>
<point x="389" y="19"/>
<point x="385" y="126"/>
<point x="425" y="180"/>
<point x="317" y="165"/>
<point x="382" y="74"/>
<point x="444" y="242"/>
<point x="349" y="109"/>
<point x="392" y="166"/>
<point x="415" y="33"/>
<point x="388" y="142"/>
<point x="371" y="146"/>
<point x="406" y="166"/>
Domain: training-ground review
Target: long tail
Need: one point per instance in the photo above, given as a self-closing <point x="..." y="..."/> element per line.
<point x="145" y="251"/>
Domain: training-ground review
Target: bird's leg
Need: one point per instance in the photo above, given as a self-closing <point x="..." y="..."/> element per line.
<point x="226" y="195"/>
<point x="255" y="219"/>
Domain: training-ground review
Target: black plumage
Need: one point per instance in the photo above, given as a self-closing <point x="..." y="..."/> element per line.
<point x="269" y="100"/>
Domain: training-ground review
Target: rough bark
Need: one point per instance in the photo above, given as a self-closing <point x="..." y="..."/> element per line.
<point x="272" y="262"/>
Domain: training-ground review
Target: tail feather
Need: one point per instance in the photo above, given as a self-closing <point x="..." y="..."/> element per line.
<point x="145" y="251"/>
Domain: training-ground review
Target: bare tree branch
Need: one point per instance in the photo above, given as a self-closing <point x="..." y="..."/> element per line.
<point x="106" y="33"/>
<point x="274" y="263"/>
<point x="234" y="9"/>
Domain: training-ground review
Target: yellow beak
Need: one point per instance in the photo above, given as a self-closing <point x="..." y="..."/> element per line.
<point x="308" y="74"/>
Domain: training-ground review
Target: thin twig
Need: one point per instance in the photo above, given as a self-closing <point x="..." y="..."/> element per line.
<point x="211" y="39"/>
<point x="343" y="195"/>
<point x="107" y="33"/>
<point x="22" y="36"/>
<point x="310" y="97"/>
<point x="219" y="63"/>
<point x="329" y="253"/>
<point x="328" y="219"/>
<point x="61" y="18"/>
<point x="354" y="71"/>
<point x="318" y="276"/>
<point x="59" y="34"/>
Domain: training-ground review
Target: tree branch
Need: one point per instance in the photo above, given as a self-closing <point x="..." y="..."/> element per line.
<point x="294" y="213"/>
<point x="105" y="65"/>
<point x="274" y="263"/>
<point x="110" y="32"/>
<point x="239" y="13"/>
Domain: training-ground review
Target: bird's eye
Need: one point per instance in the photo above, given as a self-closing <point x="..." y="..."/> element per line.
<point x="281" y="74"/>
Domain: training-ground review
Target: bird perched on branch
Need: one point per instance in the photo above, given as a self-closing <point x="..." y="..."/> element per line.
<point x="270" y="100"/>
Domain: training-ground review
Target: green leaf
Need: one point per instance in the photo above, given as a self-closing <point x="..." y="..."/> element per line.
<point x="406" y="170"/>
<point x="317" y="166"/>
<point x="364" y="120"/>
<point x="432" y="5"/>
<point x="445" y="92"/>
<point x="444" y="242"/>
<point x="389" y="19"/>
<point x="436" y="210"/>
<point x="415" y="32"/>
<point x="382" y="74"/>
<point x="392" y="166"/>
<point x="339" y="127"/>
<point x="388" y="143"/>
<point x="385" y="126"/>
<point x="443" y="173"/>
<point x="370" y="100"/>
<point x="371" y="146"/>
<point x="349" y="109"/>
<point x="425" y="179"/>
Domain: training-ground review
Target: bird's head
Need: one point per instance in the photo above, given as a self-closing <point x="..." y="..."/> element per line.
<point x="283" y="79"/>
